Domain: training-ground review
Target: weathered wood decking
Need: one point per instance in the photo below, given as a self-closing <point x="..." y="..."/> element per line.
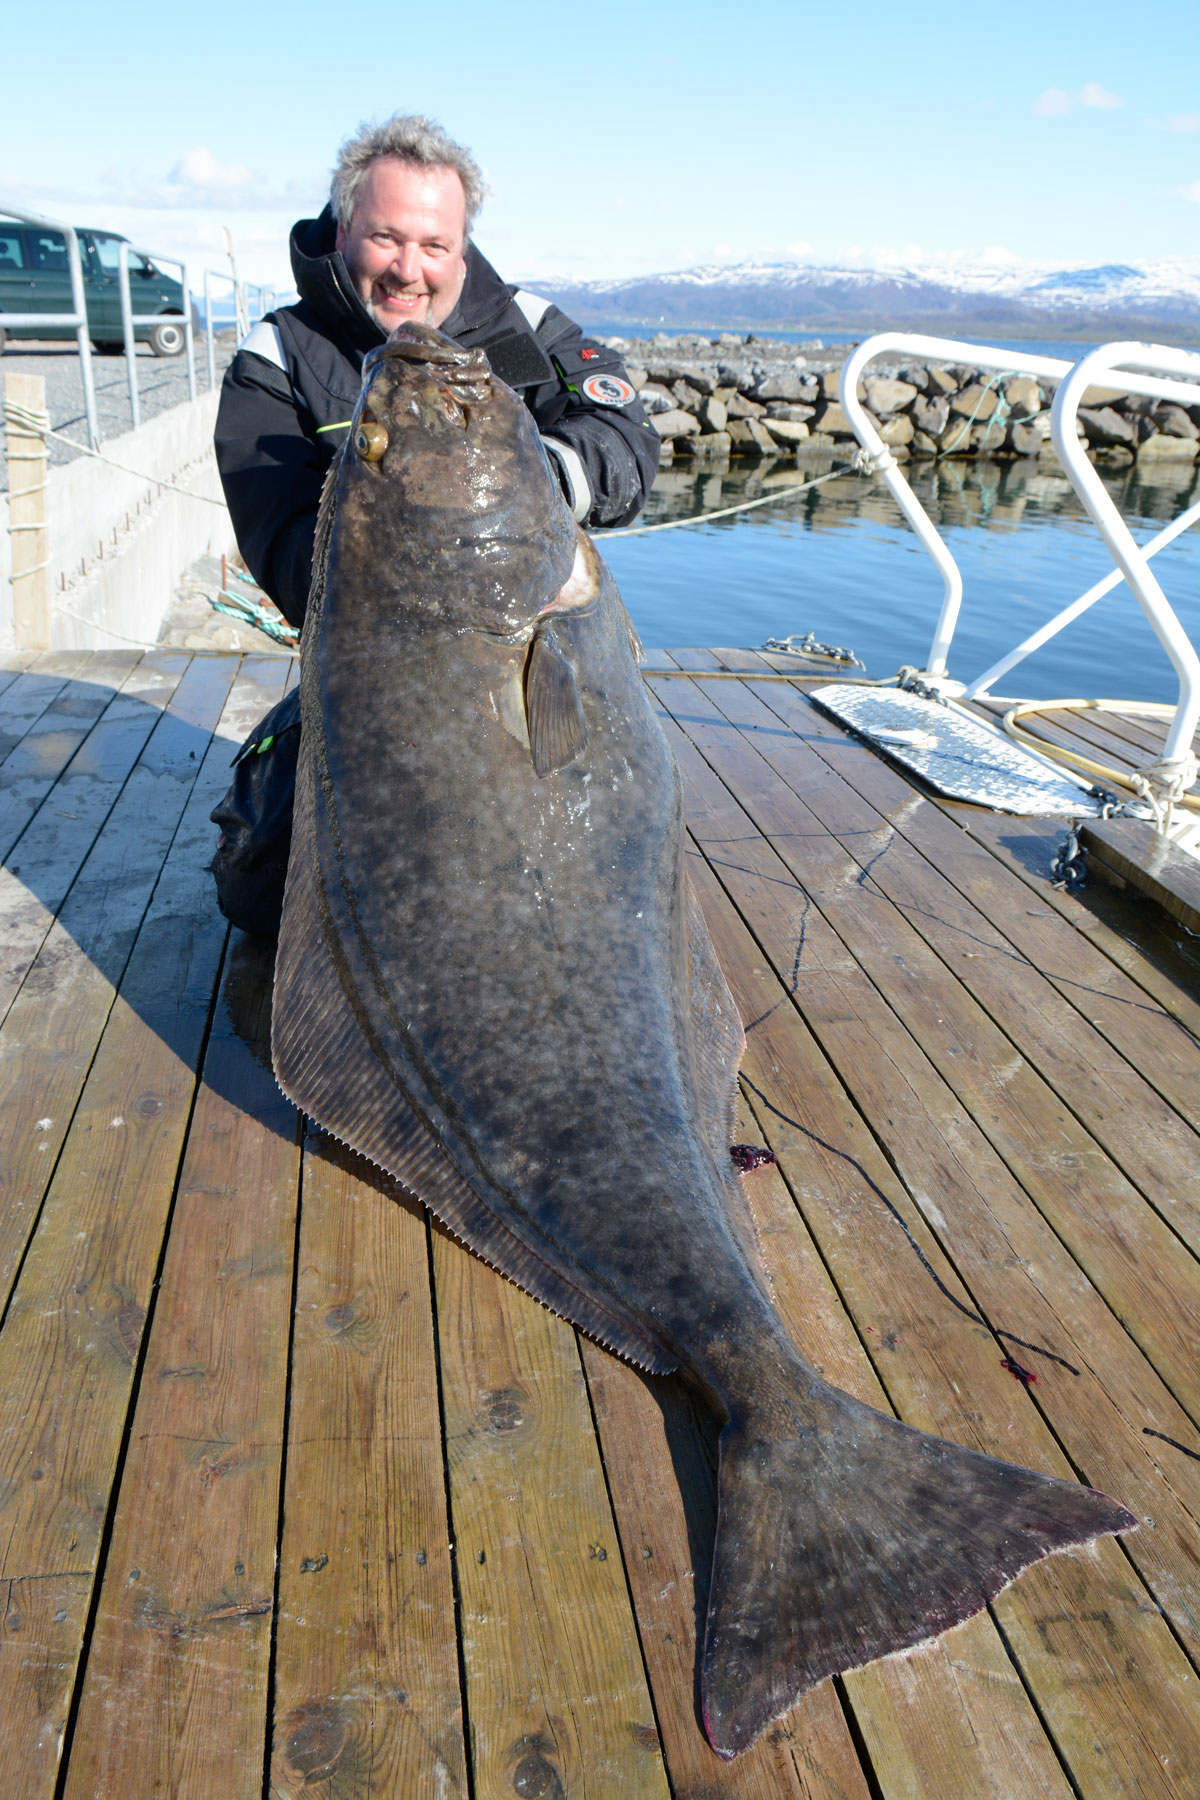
<point x="296" y="1497"/>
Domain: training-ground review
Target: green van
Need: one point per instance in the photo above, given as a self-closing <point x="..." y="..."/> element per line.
<point x="35" y="277"/>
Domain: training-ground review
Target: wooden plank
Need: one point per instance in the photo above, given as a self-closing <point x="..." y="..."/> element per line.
<point x="12" y="664"/>
<point x="1138" y="856"/>
<point x="1133" y="1259"/>
<point x="70" y="1340"/>
<point x="663" y="1490"/>
<point x="1158" y="960"/>
<point x="45" y="859"/>
<point x="26" y="698"/>
<point x="174" y="1698"/>
<point x="34" y="764"/>
<point x="367" y="1697"/>
<point x="556" y="1691"/>
<point x="1018" y="1274"/>
<point x="1144" y="1137"/>
<point x="49" y="1036"/>
<point x="1113" y="1674"/>
<point x="1146" y="1037"/>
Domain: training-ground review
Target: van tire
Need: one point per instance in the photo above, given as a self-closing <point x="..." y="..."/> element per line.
<point x="167" y="338"/>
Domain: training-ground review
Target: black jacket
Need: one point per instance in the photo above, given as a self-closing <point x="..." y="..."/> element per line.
<point x="286" y="383"/>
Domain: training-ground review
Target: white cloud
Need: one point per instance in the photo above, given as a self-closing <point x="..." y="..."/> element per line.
<point x="1191" y="191"/>
<point x="1053" y="102"/>
<point x="1177" y="122"/>
<point x="199" y="168"/>
<point x="1092" y="94"/>
<point x="800" y="248"/>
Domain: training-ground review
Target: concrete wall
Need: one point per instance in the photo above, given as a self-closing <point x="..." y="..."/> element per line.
<point x="118" y="545"/>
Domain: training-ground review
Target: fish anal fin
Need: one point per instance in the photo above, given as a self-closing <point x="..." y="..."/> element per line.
<point x="330" y="1064"/>
<point x="558" y="731"/>
<point x="858" y="1538"/>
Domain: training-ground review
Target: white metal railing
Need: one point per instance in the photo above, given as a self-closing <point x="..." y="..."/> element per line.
<point x="129" y="317"/>
<point x="78" y="318"/>
<point x="1111" y="363"/>
<point x="243" y="311"/>
<point x="1101" y="366"/>
<point x="984" y="357"/>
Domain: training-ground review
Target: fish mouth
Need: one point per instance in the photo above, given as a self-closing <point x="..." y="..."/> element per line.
<point x="424" y="344"/>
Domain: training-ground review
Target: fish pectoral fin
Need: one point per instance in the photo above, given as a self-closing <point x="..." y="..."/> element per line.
<point x="558" y="730"/>
<point x="854" y="1539"/>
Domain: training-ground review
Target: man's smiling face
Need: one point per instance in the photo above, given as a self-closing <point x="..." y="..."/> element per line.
<point x="405" y="245"/>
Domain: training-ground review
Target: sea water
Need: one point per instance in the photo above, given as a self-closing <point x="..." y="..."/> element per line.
<point x="842" y="562"/>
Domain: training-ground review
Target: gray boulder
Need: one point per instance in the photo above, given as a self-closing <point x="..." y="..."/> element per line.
<point x="976" y="401"/>
<point x="655" y="398"/>
<point x="738" y="407"/>
<point x="887" y="396"/>
<point x="832" y="420"/>
<point x="788" y="431"/>
<point x="1023" y="396"/>
<point x="1172" y="420"/>
<point x="916" y="376"/>
<point x="675" y="424"/>
<point x="783" y="409"/>
<point x="702" y="379"/>
<point x="781" y="387"/>
<point x="930" y="414"/>
<point x="1104" y="425"/>
<point x="713" y="414"/>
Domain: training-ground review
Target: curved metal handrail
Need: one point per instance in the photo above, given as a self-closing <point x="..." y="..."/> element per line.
<point x="1132" y="559"/>
<point x="1019" y="363"/>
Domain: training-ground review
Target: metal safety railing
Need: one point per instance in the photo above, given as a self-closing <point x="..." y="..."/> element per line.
<point x="1123" y="365"/>
<point x="76" y="318"/>
<point x="129" y="318"/>
<point x="244" y="314"/>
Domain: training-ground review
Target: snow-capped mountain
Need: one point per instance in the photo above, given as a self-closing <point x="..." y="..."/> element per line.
<point x="942" y="293"/>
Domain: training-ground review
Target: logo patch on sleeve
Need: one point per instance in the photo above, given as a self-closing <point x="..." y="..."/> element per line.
<point x="607" y="390"/>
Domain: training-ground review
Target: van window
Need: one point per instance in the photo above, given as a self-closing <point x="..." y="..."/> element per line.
<point x="49" y="251"/>
<point x="108" y="249"/>
<point x="12" y="255"/>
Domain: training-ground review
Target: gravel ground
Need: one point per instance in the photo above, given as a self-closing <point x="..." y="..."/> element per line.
<point x="162" y="382"/>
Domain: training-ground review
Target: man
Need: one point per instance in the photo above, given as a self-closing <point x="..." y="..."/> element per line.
<point x="394" y="244"/>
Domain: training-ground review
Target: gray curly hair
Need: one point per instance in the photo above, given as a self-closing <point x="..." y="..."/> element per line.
<point x="413" y="139"/>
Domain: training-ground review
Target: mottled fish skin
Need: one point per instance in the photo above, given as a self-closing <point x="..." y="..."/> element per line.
<point x="493" y="980"/>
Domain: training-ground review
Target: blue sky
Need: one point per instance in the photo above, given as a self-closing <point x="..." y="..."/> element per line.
<point x="640" y="138"/>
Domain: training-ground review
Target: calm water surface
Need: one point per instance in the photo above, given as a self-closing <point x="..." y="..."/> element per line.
<point x="841" y="561"/>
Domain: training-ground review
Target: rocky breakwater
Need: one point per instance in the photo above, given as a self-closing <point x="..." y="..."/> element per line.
<point x="737" y="395"/>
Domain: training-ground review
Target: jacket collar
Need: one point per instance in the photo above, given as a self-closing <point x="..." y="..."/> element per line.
<point x="323" y="280"/>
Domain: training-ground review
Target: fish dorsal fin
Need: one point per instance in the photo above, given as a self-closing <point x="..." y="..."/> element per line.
<point x="330" y="1061"/>
<point x="558" y="730"/>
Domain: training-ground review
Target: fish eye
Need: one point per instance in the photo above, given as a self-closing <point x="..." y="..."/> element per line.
<point x="370" y="440"/>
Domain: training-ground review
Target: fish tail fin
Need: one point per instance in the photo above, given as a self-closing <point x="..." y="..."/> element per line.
<point x="857" y="1537"/>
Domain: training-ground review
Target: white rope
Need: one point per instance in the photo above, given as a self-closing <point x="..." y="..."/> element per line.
<point x="37" y="424"/>
<point x="1163" y="784"/>
<point x="862" y="464"/>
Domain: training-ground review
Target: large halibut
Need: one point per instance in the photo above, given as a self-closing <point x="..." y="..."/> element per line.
<point x="493" y="980"/>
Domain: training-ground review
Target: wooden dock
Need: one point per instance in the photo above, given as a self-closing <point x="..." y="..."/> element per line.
<point x="298" y="1498"/>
